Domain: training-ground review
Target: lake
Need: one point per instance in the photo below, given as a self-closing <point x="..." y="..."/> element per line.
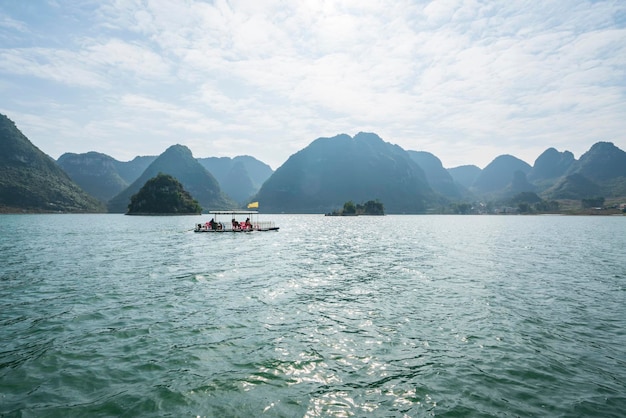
<point x="394" y="316"/>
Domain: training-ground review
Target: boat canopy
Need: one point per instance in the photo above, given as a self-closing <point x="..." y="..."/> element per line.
<point x="233" y="212"/>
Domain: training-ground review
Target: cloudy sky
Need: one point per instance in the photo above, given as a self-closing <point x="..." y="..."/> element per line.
<point x="466" y="80"/>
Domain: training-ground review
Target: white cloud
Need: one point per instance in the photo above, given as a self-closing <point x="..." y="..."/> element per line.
<point x="54" y="65"/>
<point x="126" y="57"/>
<point x="9" y="24"/>
<point x="464" y="79"/>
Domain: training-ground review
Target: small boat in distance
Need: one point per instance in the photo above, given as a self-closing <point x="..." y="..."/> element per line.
<point x="232" y="221"/>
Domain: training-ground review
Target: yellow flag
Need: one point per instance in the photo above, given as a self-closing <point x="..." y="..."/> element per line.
<point x="253" y="205"/>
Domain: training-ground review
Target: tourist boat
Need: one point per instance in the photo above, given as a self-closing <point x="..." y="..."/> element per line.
<point x="235" y="221"/>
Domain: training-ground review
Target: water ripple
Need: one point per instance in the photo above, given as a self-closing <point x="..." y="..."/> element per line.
<point x="109" y="315"/>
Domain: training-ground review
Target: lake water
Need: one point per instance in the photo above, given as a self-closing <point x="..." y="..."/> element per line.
<point x="111" y="315"/>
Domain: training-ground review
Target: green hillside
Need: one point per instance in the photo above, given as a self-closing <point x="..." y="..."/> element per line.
<point x="94" y="172"/>
<point x="31" y="181"/>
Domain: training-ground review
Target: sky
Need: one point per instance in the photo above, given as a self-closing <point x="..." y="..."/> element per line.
<point x="466" y="80"/>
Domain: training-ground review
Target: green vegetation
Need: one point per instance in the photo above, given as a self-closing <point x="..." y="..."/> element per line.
<point x="100" y="175"/>
<point x="165" y="195"/>
<point x="313" y="180"/>
<point x="547" y="206"/>
<point x="371" y="207"/>
<point x="30" y="181"/>
<point x="461" y="208"/>
<point x="94" y="172"/>
<point x="594" y="202"/>
<point x="178" y="162"/>
<point x="349" y="208"/>
<point x="529" y="202"/>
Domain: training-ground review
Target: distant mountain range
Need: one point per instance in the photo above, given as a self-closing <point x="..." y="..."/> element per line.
<point x="178" y="162"/>
<point x="319" y="178"/>
<point x="438" y="178"/>
<point x="100" y="175"/>
<point x="240" y="177"/>
<point x="104" y="177"/>
<point x="331" y="171"/>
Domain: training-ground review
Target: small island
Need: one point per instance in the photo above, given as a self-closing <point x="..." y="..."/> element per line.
<point x="163" y="195"/>
<point x="371" y="207"/>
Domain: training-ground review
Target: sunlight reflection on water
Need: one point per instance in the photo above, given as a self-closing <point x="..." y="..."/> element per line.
<point x="415" y="315"/>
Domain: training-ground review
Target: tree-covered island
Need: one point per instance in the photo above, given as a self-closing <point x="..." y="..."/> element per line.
<point x="371" y="207"/>
<point x="163" y="195"/>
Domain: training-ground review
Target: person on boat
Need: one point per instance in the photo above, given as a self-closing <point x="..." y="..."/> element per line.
<point x="235" y="224"/>
<point x="248" y="224"/>
<point x="213" y="224"/>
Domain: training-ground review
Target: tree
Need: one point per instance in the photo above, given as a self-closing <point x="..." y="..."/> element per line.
<point x="461" y="208"/>
<point x="349" y="207"/>
<point x="370" y="207"/>
<point x="547" y="206"/>
<point x="524" y="207"/>
<point x="594" y="202"/>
